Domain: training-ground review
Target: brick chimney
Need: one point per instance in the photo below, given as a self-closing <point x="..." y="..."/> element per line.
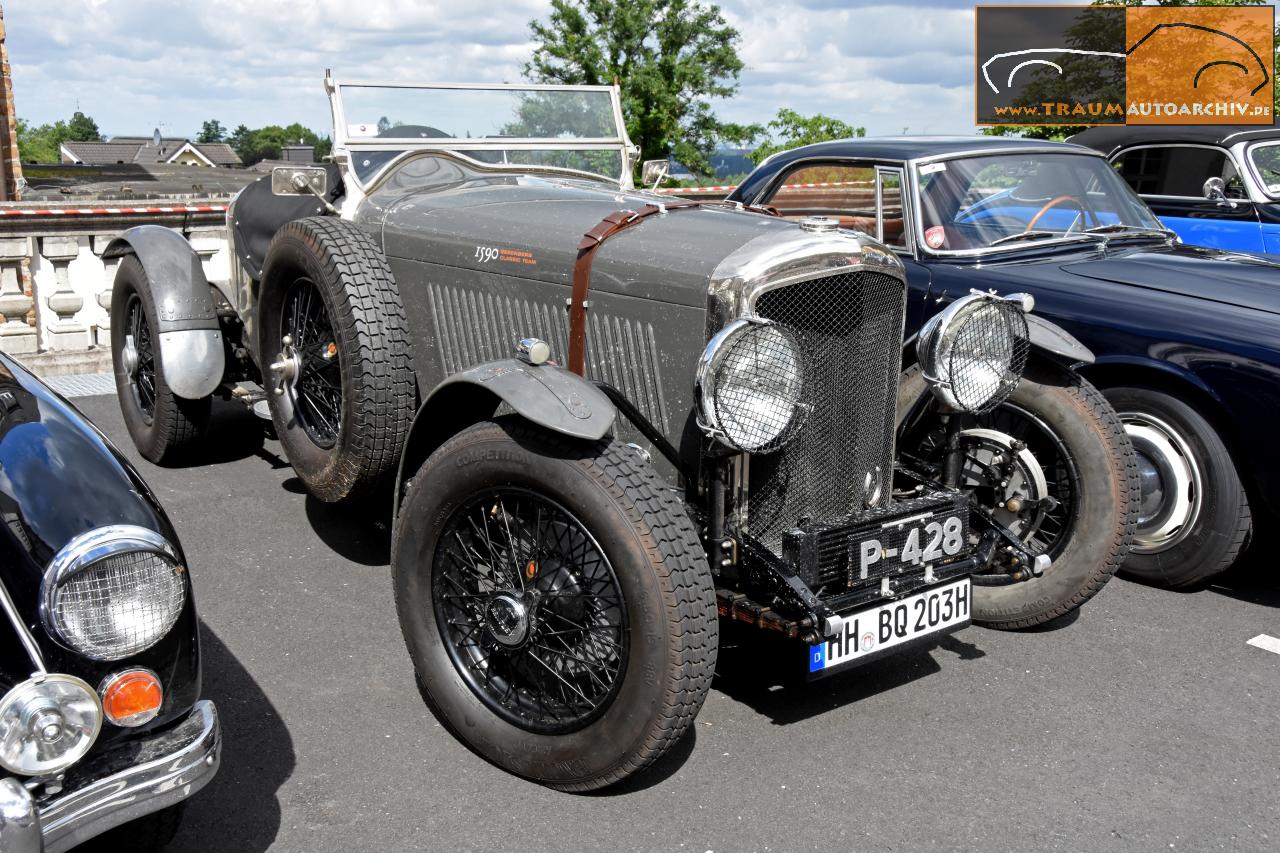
<point x="10" y="165"/>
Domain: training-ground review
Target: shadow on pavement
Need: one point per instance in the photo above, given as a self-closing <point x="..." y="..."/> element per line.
<point x="360" y="533"/>
<point x="1252" y="579"/>
<point x="767" y="674"/>
<point x="234" y="433"/>
<point x="239" y="809"/>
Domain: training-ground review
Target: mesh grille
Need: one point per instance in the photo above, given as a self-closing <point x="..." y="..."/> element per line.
<point x="988" y="355"/>
<point x="120" y="605"/>
<point x="849" y="330"/>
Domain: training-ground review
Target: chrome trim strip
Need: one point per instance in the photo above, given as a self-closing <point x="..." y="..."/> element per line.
<point x="24" y="635"/>
<point x="139" y="790"/>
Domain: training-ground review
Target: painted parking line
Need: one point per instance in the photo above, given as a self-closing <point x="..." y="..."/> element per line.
<point x="1266" y="641"/>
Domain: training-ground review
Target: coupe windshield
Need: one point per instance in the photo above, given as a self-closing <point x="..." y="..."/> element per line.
<point x="565" y="127"/>
<point x="1266" y="159"/>
<point x="980" y="202"/>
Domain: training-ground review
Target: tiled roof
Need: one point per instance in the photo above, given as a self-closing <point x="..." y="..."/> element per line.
<point x="220" y="153"/>
<point x="102" y="153"/>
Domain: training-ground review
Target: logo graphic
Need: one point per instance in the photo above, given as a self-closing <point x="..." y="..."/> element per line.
<point x="868" y="640"/>
<point x="1072" y="65"/>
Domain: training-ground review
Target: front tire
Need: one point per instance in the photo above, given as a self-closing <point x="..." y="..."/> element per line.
<point x="163" y="426"/>
<point x="338" y="372"/>
<point x="1088" y="469"/>
<point x="556" y="603"/>
<point x="1195" y="517"/>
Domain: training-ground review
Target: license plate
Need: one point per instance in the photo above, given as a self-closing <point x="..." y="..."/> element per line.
<point x="906" y="543"/>
<point x="867" y="633"/>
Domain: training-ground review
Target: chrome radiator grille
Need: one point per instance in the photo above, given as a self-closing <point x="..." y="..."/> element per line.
<point x="849" y="328"/>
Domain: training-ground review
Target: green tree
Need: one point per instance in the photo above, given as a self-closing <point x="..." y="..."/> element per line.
<point x="212" y="131"/>
<point x="81" y="128"/>
<point x="670" y="57"/>
<point x="41" y="143"/>
<point x="266" y="143"/>
<point x="791" y="130"/>
<point x="1081" y="72"/>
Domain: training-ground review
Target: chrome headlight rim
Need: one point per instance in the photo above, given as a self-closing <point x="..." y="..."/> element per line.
<point x="939" y="333"/>
<point x="31" y="690"/>
<point x="83" y="553"/>
<point x="720" y="345"/>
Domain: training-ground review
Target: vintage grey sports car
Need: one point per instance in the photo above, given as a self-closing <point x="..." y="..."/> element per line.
<point x="606" y="418"/>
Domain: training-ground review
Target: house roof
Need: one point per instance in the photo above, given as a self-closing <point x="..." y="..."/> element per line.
<point x="99" y="153"/>
<point x="220" y="153"/>
<point x="138" y="149"/>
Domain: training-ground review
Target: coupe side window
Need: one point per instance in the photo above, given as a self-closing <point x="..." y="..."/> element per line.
<point x="847" y="193"/>
<point x="1178" y="170"/>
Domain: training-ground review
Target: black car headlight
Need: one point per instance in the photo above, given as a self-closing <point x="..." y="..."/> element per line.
<point x="113" y="592"/>
<point x="751" y="386"/>
<point x="974" y="351"/>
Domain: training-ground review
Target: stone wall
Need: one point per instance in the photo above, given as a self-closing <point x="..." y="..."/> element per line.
<point x="10" y="166"/>
<point x="55" y="287"/>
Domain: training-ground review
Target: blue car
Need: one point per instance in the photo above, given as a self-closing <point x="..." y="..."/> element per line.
<point x="1215" y="185"/>
<point x="1183" y="341"/>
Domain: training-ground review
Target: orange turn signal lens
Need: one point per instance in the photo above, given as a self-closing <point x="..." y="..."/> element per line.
<point x="132" y="697"/>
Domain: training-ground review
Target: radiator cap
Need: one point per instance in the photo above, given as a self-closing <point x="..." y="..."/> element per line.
<point x="820" y="224"/>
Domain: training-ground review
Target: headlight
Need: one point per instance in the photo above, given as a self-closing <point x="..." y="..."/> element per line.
<point x="974" y="351"/>
<point x="751" y="386"/>
<point x="113" y="592"/>
<point x="47" y="723"/>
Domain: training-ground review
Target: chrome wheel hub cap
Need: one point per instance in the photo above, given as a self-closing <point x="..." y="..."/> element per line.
<point x="287" y="367"/>
<point x="507" y="618"/>
<point x="129" y="357"/>
<point x="1170" y="483"/>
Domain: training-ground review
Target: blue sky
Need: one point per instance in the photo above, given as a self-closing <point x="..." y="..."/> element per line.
<point x="136" y="64"/>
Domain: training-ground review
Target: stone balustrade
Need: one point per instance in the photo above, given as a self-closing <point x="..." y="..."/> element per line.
<point x="55" y="286"/>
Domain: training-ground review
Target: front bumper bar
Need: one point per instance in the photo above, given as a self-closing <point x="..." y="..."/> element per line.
<point x="180" y="761"/>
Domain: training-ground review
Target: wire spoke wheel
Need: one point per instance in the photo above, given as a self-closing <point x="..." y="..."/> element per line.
<point x="143" y="378"/>
<point x="316" y="386"/>
<point x="530" y="610"/>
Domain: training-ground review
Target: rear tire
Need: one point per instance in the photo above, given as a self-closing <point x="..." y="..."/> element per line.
<point x="1068" y="415"/>
<point x="342" y="396"/>
<point x="1195" y="518"/>
<point x="164" y="427"/>
<point x="644" y="669"/>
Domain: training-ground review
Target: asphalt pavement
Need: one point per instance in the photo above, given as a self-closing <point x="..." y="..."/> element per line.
<point x="1147" y="723"/>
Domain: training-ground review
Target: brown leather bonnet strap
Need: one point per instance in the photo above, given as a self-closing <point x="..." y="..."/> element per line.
<point x="617" y="221"/>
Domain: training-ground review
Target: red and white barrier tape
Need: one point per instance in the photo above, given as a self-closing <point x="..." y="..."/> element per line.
<point x="729" y="189"/>
<point x="111" y="211"/>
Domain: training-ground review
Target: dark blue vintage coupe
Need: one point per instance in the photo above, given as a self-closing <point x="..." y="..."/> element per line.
<point x="1185" y="341"/>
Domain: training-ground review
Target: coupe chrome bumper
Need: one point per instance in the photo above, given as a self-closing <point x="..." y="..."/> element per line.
<point x="177" y="763"/>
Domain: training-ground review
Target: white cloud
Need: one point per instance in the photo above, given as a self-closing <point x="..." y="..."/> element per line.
<point x="132" y="64"/>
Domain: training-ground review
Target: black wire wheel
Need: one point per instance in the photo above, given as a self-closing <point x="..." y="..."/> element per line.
<point x="334" y="344"/>
<point x="163" y="426"/>
<point x="556" y="603"/>
<point x="1053" y="466"/>
<point x="140" y="358"/>
<point x="310" y="363"/>
<point x="530" y="610"/>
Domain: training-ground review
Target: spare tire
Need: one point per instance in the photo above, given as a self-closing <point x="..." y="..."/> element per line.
<point x="337" y="364"/>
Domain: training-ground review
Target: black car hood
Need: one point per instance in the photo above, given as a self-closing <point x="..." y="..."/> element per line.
<point x="1234" y="279"/>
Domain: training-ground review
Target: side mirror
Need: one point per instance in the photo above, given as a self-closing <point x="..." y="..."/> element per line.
<point x="299" y="180"/>
<point x="1215" y="189"/>
<point x="654" y="172"/>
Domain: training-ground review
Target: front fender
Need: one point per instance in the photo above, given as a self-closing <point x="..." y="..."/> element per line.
<point x="1046" y="338"/>
<point x="1057" y="343"/>
<point x="189" y="337"/>
<point x="546" y="395"/>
